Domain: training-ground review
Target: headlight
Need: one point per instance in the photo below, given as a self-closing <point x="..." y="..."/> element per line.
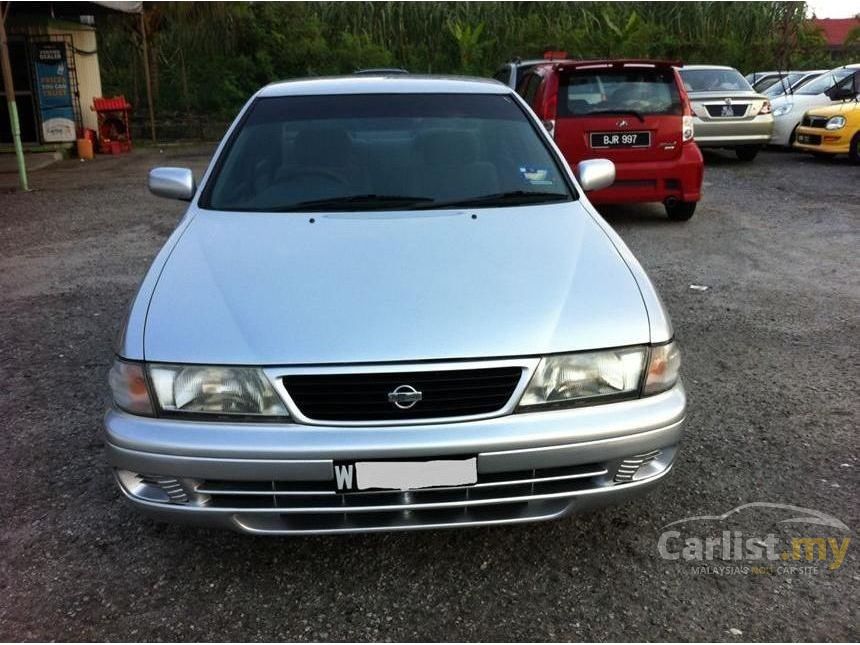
<point x="200" y="389"/>
<point x="575" y="379"/>
<point x="571" y="378"/>
<point x="783" y="109"/>
<point x="835" y="123"/>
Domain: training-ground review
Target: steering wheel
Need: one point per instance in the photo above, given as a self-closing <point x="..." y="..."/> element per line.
<point x="315" y="172"/>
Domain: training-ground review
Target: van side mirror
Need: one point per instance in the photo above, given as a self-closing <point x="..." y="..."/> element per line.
<point x="173" y="183"/>
<point x="594" y="174"/>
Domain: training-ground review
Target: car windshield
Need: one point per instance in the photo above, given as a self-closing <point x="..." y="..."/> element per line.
<point x="714" y="80"/>
<point x="825" y="81"/>
<point x="619" y="91"/>
<point x="781" y="86"/>
<point x="384" y="152"/>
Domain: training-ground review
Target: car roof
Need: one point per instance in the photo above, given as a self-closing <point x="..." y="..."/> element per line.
<point x="725" y="67"/>
<point x="385" y="84"/>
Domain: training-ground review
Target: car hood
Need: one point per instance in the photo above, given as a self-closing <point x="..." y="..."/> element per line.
<point x="278" y="289"/>
<point x="800" y="102"/>
<point x="833" y="110"/>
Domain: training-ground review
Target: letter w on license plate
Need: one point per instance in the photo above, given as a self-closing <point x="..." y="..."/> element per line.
<point x="620" y="139"/>
<point x="405" y="475"/>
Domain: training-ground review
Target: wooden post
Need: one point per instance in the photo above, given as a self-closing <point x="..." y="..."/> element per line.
<point x="9" y="89"/>
<point x="145" y="52"/>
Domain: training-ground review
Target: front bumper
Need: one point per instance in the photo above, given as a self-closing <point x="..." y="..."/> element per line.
<point x="783" y="128"/>
<point x="279" y="479"/>
<point x="655" y="181"/>
<point x="730" y="133"/>
<point x="829" y="141"/>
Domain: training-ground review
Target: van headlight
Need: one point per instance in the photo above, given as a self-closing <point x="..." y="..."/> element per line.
<point x="783" y="109"/>
<point x="591" y="377"/>
<point x="201" y="390"/>
<point x="835" y="123"/>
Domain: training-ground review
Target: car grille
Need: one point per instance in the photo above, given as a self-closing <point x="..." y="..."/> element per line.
<point x="809" y="139"/>
<point x="365" y="396"/>
<point x="279" y="506"/>
<point x="814" y="121"/>
<point x="737" y="109"/>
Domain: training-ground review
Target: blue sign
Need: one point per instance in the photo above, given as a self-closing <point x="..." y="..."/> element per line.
<point x="54" y="92"/>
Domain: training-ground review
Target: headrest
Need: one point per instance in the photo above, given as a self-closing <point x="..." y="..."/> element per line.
<point x="323" y="147"/>
<point x="448" y="147"/>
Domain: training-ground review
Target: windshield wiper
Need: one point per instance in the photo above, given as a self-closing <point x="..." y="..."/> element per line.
<point x="369" y="201"/>
<point x="498" y="199"/>
<point x="638" y="115"/>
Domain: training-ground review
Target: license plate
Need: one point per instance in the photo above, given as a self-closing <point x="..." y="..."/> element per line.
<point x="620" y="139"/>
<point x="405" y="475"/>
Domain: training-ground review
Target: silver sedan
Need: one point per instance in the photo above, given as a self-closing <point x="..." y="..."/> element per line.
<point x="388" y="306"/>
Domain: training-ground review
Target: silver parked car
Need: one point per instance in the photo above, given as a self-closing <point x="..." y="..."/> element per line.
<point x="791" y="82"/>
<point x="390" y="305"/>
<point x="727" y="112"/>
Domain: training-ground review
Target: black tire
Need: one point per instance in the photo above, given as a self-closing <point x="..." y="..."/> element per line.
<point x="854" y="150"/>
<point x="793" y="137"/>
<point x="680" y="211"/>
<point x="747" y="153"/>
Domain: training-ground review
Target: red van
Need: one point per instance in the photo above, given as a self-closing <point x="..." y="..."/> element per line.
<point x="633" y="112"/>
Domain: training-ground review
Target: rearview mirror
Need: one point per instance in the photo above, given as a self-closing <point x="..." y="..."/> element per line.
<point x="594" y="174"/>
<point x="173" y="183"/>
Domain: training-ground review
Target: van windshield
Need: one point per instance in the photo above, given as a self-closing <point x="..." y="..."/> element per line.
<point x="362" y="152"/>
<point x="825" y="81"/>
<point x="618" y="91"/>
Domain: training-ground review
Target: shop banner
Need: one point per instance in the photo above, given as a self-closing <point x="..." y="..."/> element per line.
<point x="54" y="92"/>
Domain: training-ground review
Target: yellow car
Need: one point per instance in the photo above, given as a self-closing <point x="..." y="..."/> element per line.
<point x="833" y="130"/>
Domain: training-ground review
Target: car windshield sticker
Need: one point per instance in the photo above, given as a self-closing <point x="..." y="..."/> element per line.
<point x="536" y="176"/>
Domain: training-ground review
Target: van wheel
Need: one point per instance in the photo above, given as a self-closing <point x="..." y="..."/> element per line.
<point x="854" y="150"/>
<point x="747" y="153"/>
<point x="680" y="211"/>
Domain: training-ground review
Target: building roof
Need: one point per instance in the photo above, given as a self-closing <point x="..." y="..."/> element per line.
<point x="836" y="30"/>
<point x="394" y="84"/>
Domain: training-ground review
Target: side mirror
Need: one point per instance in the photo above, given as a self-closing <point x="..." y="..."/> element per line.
<point x="173" y="183"/>
<point x="594" y="174"/>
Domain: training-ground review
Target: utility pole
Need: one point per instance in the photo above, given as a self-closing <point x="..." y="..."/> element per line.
<point x="9" y="89"/>
<point x="145" y="52"/>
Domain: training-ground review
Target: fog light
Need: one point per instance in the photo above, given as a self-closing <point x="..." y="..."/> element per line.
<point x="153" y="488"/>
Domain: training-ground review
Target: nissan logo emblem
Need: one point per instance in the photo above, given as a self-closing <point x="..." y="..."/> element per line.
<point x="404" y="396"/>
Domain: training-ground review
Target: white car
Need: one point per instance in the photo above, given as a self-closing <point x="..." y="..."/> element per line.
<point x="830" y="88"/>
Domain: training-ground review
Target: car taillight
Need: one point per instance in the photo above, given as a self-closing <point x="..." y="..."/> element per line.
<point x="687" y="128"/>
<point x="765" y="108"/>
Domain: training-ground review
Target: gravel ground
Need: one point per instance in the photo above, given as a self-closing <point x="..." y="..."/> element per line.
<point x="771" y="365"/>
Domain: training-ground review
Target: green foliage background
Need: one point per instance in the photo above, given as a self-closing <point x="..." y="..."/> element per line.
<point x="207" y="58"/>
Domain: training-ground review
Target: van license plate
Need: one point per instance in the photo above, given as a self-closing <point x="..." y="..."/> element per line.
<point x="620" y="139"/>
<point x="405" y="475"/>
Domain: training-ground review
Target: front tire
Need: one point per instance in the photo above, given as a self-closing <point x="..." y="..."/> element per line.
<point x="680" y="211"/>
<point x="747" y="153"/>
<point x="854" y="150"/>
